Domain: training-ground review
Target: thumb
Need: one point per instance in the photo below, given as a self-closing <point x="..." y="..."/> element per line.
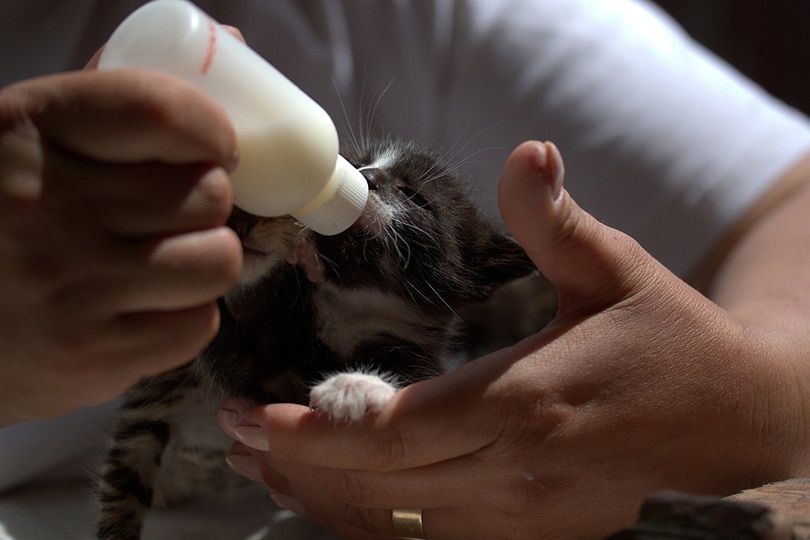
<point x="591" y="265"/>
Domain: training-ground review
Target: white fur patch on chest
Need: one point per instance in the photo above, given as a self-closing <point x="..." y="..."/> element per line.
<point x="348" y="317"/>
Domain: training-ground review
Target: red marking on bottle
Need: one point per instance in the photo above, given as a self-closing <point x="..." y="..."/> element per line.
<point x="212" y="47"/>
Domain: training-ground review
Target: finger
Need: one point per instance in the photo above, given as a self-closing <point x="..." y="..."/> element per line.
<point x="455" y="482"/>
<point x="357" y="522"/>
<point x="165" y="203"/>
<point x="373" y="524"/>
<point x="403" y="435"/>
<point x="127" y="116"/>
<point x="174" y="273"/>
<point x="471" y="497"/>
<point x="125" y="349"/>
<point x="72" y="268"/>
<point x="159" y="340"/>
<point x="186" y="270"/>
<point x="242" y="461"/>
<point x="140" y="199"/>
<point x="589" y="263"/>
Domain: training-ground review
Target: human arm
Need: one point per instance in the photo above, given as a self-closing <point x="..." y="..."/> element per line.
<point x="762" y="260"/>
<point x="641" y="383"/>
<point x="113" y="250"/>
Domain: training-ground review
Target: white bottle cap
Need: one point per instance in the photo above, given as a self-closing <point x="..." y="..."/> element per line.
<point x="340" y="203"/>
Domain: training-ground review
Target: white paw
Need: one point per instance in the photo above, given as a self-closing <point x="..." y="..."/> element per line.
<point x="349" y="397"/>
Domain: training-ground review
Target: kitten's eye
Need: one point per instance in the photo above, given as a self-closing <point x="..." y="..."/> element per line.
<point x="414" y="196"/>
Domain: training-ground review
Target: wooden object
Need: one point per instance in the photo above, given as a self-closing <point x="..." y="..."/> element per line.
<point x="778" y="511"/>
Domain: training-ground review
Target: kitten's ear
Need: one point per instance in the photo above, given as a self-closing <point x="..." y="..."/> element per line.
<point x="497" y="261"/>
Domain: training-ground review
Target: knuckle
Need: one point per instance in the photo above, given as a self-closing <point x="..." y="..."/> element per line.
<point x="367" y="519"/>
<point x="348" y="486"/>
<point x="387" y="452"/>
<point x="570" y="230"/>
<point x="182" y="110"/>
<point x="155" y="99"/>
<point x="544" y="415"/>
<point x="163" y="98"/>
<point x="214" y="189"/>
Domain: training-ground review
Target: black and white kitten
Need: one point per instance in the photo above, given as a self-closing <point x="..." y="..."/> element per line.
<point x="339" y="322"/>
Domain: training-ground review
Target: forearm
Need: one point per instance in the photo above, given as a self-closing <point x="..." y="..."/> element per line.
<point x="764" y="281"/>
<point x="767" y="258"/>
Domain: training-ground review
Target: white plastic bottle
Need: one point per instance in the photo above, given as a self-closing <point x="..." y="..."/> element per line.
<point x="288" y="145"/>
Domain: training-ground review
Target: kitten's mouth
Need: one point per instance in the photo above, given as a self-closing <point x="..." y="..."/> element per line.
<point x="257" y="257"/>
<point x="254" y="262"/>
<point x="257" y="263"/>
<point x="372" y="219"/>
<point x="252" y="254"/>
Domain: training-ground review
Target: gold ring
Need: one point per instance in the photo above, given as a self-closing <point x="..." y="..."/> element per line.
<point x="408" y="523"/>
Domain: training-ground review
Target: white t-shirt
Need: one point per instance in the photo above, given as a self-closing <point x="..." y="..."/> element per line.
<point x="661" y="139"/>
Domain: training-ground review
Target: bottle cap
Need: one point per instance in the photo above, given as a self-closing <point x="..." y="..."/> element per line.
<point x="345" y="205"/>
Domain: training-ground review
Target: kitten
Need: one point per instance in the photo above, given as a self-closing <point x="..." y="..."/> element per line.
<point x="339" y="322"/>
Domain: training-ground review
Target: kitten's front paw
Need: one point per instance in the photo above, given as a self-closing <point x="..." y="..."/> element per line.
<point x="349" y="397"/>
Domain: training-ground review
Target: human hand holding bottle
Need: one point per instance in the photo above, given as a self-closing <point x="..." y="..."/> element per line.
<point x="114" y="193"/>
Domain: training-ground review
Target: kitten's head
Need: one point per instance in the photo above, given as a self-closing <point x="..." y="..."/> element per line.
<point x="420" y="237"/>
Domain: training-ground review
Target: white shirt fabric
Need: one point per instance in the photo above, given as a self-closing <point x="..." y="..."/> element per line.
<point x="661" y="139"/>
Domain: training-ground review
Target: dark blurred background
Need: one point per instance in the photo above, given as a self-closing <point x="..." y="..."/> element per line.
<point x="769" y="41"/>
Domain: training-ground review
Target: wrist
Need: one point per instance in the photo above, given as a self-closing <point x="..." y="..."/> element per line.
<point x="777" y="345"/>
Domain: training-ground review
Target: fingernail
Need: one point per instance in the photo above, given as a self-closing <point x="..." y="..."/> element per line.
<point x="227" y="419"/>
<point x="245" y="465"/>
<point x="252" y="436"/>
<point x="555" y="169"/>
<point x="288" y="503"/>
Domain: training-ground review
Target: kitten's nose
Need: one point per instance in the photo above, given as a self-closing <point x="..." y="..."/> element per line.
<point x="373" y="176"/>
<point x="241" y="222"/>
